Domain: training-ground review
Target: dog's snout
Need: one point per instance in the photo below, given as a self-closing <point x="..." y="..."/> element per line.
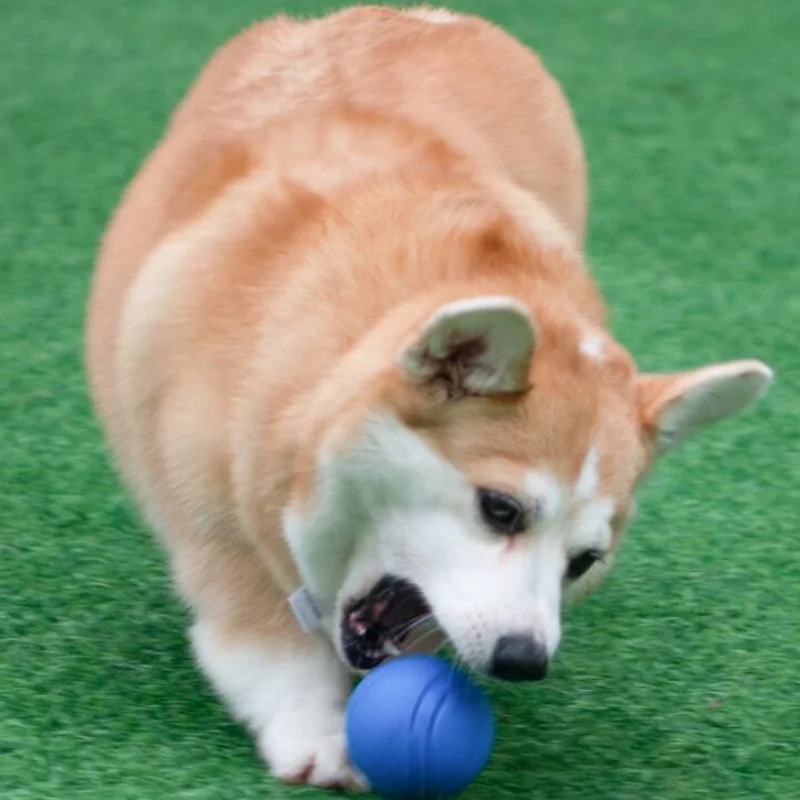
<point x="519" y="658"/>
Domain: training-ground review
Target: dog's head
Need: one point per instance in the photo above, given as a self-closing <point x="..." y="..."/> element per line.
<point x="485" y="474"/>
<point x="488" y="477"/>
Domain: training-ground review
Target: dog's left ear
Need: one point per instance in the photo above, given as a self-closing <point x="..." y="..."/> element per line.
<point x="476" y="346"/>
<point x="672" y="407"/>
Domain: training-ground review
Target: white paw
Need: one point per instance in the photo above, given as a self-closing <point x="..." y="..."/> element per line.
<point x="309" y="747"/>
<point x="292" y="700"/>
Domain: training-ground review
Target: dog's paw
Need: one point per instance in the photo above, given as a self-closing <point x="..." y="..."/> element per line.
<point x="310" y="749"/>
<point x="292" y="701"/>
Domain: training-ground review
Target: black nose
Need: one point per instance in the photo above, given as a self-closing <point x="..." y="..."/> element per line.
<point x="519" y="658"/>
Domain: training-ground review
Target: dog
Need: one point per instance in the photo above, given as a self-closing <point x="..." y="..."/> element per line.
<point x="350" y="360"/>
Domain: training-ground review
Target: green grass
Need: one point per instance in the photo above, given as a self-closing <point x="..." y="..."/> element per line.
<point x="681" y="679"/>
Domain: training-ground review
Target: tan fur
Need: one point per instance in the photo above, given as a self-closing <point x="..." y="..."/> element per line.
<point x="267" y="150"/>
<point x="325" y="187"/>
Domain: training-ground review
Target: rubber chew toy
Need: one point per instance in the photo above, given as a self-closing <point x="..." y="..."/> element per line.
<point x="417" y="728"/>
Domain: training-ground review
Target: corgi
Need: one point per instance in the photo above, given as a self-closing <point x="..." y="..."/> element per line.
<point x="351" y="363"/>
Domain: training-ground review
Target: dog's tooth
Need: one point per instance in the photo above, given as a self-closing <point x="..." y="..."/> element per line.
<point x="391" y="649"/>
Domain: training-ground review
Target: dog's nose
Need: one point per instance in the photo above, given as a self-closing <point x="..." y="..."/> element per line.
<point x="519" y="658"/>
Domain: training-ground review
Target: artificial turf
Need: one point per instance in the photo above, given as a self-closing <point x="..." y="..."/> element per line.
<point x="681" y="678"/>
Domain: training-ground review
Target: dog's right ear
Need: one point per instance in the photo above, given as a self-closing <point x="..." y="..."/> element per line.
<point x="478" y="346"/>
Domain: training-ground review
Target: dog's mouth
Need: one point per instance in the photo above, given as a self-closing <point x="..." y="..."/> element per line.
<point x="384" y="623"/>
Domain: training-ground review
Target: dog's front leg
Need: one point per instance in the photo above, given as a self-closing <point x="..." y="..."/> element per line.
<point x="290" y="694"/>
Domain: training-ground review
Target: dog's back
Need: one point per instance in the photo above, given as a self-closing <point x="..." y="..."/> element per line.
<point x="277" y="99"/>
<point x="285" y="118"/>
<point x="214" y="308"/>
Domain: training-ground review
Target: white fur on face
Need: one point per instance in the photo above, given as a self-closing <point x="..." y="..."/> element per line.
<point x="592" y="347"/>
<point x="589" y="477"/>
<point x="391" y="505"/>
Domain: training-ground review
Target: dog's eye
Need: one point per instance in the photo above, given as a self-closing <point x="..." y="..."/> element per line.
<point x="581" y="563"/>
<point x="502" y="512"/>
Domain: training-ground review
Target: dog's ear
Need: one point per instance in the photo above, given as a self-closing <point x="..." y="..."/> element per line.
<point x="476" y="346"/>
<point x="672" y="407"/>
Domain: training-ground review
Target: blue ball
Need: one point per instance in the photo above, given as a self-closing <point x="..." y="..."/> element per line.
<point x="419" y="728"/>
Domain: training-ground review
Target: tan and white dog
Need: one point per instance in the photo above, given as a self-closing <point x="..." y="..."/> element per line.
<point x="343" y="340"/>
